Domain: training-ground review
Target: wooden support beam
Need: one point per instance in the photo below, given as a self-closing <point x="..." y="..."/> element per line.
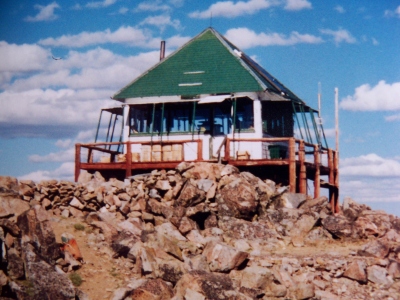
<point x="128" y="171"/>
<point x="317" y="162"/>
<point x="199" y="150"/>
<point x="227" y="149"/>
<point x="303" y="171"/>
<point x="77" y="161"/>
<point x="292" y="165"/>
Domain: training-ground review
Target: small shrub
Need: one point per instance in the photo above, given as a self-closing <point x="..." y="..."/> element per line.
<point x="76" y="279"/>
<point x="79" y="226"/>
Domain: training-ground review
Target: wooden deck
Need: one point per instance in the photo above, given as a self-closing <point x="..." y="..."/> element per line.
<point x="302" y="162"/>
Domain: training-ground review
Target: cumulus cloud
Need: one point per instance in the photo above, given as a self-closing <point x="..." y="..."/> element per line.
<point x="46" y="13"/>
<point x="368" y="189"/>
<point x="340" y="9"/>
<point x="62" y="156"/>
<point x="392" y="118"/>
<point x="22" y="58"/>
<point x="152" y="6"/>
<point x="229" y="9"/>
<point x="64" y="172"/>
<point x="383" y="96"/>
<point x="297" y="4"/>
<point x="393" y="13"/>
<point x="340" y="36"/>
<point x="246" y="38"/>
<point x="123" y="35"/>
<point x="161" y="21"/>
<point x="370" y="165"/>
<point x="98" y="4"/>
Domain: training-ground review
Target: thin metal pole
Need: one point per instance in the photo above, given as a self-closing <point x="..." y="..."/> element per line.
<point x="98" y="127"/>
<point x="337" y="118"/>
<point x="297" y="119"/>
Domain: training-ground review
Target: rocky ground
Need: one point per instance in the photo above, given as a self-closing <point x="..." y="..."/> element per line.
<point x="202" y="231"/>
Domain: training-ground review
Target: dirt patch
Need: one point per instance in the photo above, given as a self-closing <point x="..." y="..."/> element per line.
<point x="101" y="273"/>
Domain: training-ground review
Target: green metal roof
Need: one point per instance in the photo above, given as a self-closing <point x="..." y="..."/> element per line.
<point x="207" y="64"/>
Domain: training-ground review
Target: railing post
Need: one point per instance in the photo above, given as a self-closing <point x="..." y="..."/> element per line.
<point x="292" y="165"/>
<point x="317" y="163"/>
<point x="128" y="163"/>
<point x="199" y="150"/>
<point x="77" y="161"/>
<point x="336" y="181"/>
<point x="227" y="149"/>
<point x="303" y="171"/>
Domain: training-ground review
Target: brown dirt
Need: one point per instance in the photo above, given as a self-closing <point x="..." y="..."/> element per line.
<point x="102" y="274"/>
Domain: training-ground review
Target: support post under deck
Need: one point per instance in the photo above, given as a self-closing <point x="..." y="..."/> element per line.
<point x="317" y="181"/>
<point x="292" y="165"/>
<point x="77" y="160"/>
<point x="128" y="171"/>
<point x="303" y="171"/>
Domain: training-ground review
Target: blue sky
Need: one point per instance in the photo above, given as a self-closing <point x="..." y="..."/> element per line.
<point x="49" y="105"/>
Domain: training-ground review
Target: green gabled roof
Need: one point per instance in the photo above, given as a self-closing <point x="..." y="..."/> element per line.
<point x="207" y="64"/>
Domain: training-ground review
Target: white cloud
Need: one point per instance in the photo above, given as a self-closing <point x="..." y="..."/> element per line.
<point x="22" y="58"/>
<point x="297" y="5"/>
<point x="374" y="42"/>
<point x="229" y="9"/>
<point x="161" y="21"/>
<point x="392" y="118"/>
<point x="62" y="156"/>
<point x="123" y="10"/>
<point x="383" y="96"/>
<point x="246" y="38"/>
<point x="393" y="13"/>
<point x="340" y="9"/>
<point x="370" y="165"/>
<point x="98" y="4"/>
<point x="64" y="172"/>
<point x="176" y="41"/>
<point x="63" y="143"/>
<point x="340" y="35"/>
<point x="152" y="6"/>
<point x="365" y="190"/>
<point x="123" y="35"/>
<point x="46" y="13"/>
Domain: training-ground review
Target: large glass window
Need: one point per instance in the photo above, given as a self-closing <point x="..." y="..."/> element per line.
<point x="141" y="118"/>
<point x="222" y="124"/>
<point x="277" y="118"/>
<point x="244" y="114"/>
<point x="211" y="118"/>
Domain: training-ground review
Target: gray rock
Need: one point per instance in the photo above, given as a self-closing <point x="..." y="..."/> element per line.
<point x="289" y="200"/>
<point x="338" y="226"/>
<point x="377" y="274"/>
<point x="376" y="248"/>
<point x="223" y="258"/>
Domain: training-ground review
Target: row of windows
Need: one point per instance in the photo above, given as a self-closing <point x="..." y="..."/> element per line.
<point x="213" y="118"/>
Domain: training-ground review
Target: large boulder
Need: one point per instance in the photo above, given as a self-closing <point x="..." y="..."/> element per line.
<point x="237" y="199"/>
<point x="204" y="284"/>
<point x="223" y="258"/>
<point x="36" y="229"/>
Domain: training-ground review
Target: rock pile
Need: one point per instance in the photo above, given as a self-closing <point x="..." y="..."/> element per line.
<point x="202" y="231"/>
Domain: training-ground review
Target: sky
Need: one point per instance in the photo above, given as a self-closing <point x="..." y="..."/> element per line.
<point x="61" y="61"/>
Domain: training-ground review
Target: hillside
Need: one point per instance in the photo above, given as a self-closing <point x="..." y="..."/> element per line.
<point x="202" y="231"/>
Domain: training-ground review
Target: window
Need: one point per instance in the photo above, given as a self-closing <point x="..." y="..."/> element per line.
<point x="277" y="118"/>
<point x="244" y="114"/>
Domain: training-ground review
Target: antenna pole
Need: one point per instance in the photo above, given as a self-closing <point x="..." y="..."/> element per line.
<point x="319" y="99"/>
<point x="337" y="118"/>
